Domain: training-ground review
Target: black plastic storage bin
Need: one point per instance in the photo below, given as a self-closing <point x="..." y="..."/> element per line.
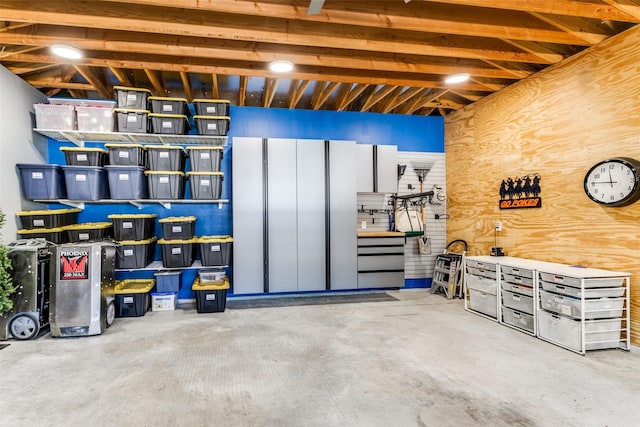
<point x="42" y="182"/>
<point x="205" y="185"/>
<point x="86" y="182"/>
<point x="211" y="107"/>
<point x="133" y="226"/>
<point x="172" y="124"/>
<point x="52" y="218"/>
<point x="132" y="97"/>
<point x="178" y="227"/>
<point x="135" y="253"/>
<point x="132" y="297"/>
<point x="212" y="125"/>
<point x="168" y="280"/>
<point x="84" y="156"/>
<point x="215" y="250"/>
<point x="132" y="121"/>
<point x="55" y="235"/>
<point x="89" y="231"/>
<point x="166" y="157"/>
<point x="177" y="253"/>
<point x="165" y="185"/>
<point x="127" y="182"/>
<point x="165" y="105"/>
<point x="205" y="158"/>
<point x="127" y="154"/>
<point x="210" y="297"/>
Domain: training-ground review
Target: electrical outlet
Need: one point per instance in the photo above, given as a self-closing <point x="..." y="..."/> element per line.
<point x="498" y="226"/>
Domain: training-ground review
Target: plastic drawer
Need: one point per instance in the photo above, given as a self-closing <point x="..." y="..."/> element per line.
<point x="483" y="302"/>
<point x="517" y="271"/>
<point x="518" y="319"/>
<point x="599" y="334"/>
<point x="600" y="308"/>
<point x="481" y="264"/>
<point x="588" y="293"/>
<point x="518" y="280"/>
<point x="521" y="303"/>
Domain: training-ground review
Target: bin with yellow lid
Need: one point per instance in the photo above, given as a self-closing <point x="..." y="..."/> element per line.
<point x="135" y="253"/>
<point x="211" y="297"/>
<point x="178" y="227"/>
<point x="215" y="250"/>
<point x="88" y="231"/>
<point x="177" y="253"/>
<point x="133" y="226"/>
<point x="132" y="297"/>
<point x="47" y="218"/>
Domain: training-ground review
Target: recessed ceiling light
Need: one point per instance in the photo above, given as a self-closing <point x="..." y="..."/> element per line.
<point x="65" y="51"/>
<point x="457" y="78"/>
<point x="281" y="66"/>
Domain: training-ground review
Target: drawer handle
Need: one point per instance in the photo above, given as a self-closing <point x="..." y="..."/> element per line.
<point x="559" y="278"/>
<point x="558" y="298"/>
<point x="515" y="270"/>
<point x="516" y="315"/>
<point x="560" y="288"/>
<point x="516" y="297"/>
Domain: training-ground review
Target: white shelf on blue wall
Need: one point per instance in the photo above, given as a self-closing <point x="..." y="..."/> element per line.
<point x="157" y="265"/>
<point x="137" y="203"/>
<point x="80" y="137"/>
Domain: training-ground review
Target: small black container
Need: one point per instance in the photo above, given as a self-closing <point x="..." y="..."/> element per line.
<point x="166" y="157"/>
<point x="135" y="253"/>
<point x="210" y="297"/>
<point x="89" y="231"/>
<point x="132" y="121"/>
<point x="133" y="226"/>
<point x="212" y="125"/>
<point x="178" y="227"/>
<point x="51" y="218"/>
<point x="127" y="154"/>
<point x="165" y="105"/>
<point x="177" y="253"/>
<point x="83" y="156"/>
<point x="132" y="297"/>
<point x="211" y="107"/>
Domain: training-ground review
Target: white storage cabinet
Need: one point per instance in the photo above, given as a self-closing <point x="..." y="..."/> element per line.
<point x="481" y="286"/>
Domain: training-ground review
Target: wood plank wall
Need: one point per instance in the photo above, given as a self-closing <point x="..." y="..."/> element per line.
<point x="557" y="123"/>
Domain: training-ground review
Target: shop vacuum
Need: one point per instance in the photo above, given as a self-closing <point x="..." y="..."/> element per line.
<point x="82" y="296"/>
<point x="32" y="274"/>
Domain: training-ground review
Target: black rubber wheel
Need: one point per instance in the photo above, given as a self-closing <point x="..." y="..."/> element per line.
<point x="111" y="314"/>
<point x="24" y="327"/>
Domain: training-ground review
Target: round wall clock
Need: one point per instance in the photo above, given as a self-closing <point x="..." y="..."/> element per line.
<point x="614" y="182"/>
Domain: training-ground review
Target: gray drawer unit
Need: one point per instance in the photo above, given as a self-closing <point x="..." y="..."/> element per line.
<point x="381" y="260"/>
<point x="481" y="268"/>
<point x="518" y="319"/>
<point x="481" y="286"/>
<point x="596" y="308"/>
<point x="566" y="332"/>
<point x="483" y="302"/>
<point x="518" y="282"/>
<point x="521" y="303"/>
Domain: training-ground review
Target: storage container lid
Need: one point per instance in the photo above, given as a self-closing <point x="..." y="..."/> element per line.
<point x="36" y="166"/>
<point x="134" y="286"/>
<point x="137" y="242"/>
<point x="211" y="118"/>
<point x="91" y="103"/>
<point x="131" y="216"/>
<point x="178" y="219"/>
<point x="204" y="147"/>
<point x="54" y="106"/>
<point x="168" y="116"/>
<point x="88" y="226"/>
<point x="42" y="230"/>
<point x="124" y="146"/>
<point x="177" y="241"/>
<point x="210" y="286"/>
<point x="205" y="173"/>
<point x="48" y="212"/>
<point x="130" y="111"/>
<point x="164" y="147"/>
<point x="224" y="101"/>
<point x="84" y="149"/>
<point x="215" y="239"/>
<point x="131" y="89"/>
<point x="164" y="173"/>
<point x="164" y="98"/>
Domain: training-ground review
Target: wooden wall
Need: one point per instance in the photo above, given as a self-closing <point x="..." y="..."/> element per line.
<point x="557" y="123"/>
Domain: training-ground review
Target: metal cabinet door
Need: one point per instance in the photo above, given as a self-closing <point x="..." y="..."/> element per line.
<point x="248" y="208"/>
<point x="311" y="215"/>
<point x="342" y="215"/>
<point x="365" y="167"/>
<point x="387" y="168"/>
<point x="282" y="215"/>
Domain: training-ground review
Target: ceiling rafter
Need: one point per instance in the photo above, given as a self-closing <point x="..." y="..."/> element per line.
<point x="376" y="96"/>
<point x="95" y="80"/>
<point x="122" y="76"/>
<point x="186" y="85"/>
<point x="242" y="90"/>
<point x="402" y="98"/>
<point x="155" y="78"/>
<point x="296" y="90"/>
<point x="215" y="91"/>
<point x="591" y="37"/>
<point x="270" y="87"/>
<point x="630" y="9"/>
<point x="350" y="95"/>
<point x="4" y="54"/>
<point x="324" y="92"/>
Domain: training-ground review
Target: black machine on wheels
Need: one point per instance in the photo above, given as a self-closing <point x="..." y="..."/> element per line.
<point x="32" y="274"/>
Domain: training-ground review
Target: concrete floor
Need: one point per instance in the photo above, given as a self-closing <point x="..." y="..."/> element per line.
<point x="417" y="361"/>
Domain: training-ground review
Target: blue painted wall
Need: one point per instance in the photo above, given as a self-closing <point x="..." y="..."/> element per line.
<point x="409" y="133"/>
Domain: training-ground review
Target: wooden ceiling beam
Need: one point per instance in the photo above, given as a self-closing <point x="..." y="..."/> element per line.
<point x="263" y="52"/>
<point x="122" y="76"/>
<point x="391" y="98"/>
<point x="376" y="96"/>
<point x="296" y="90"/>
<point x="554" y="7"/>
<point x="92" y="77"/>
<point x="326" y="89"/>
<point x="270" y="87"/>
<point x="256" y="29"/>
<point x="155" y="78"/>
<point x="186" y="85"/>
<point x="576" y="28"/>
<point x="350" y="95"/>
<point x="8" y="53"/>
<point x="426" y="100"/>
<point x="631" y="9"/>
<point x="12" y="26"/>
<point x="30" y="68"/>
<point x="242" y="90"/>
<point x="197" y="65"/>
<point x="60" y="84"/>
<point x="467" y="21"/>
<point x="215" y="91"/>
<point x="403" y="98"/>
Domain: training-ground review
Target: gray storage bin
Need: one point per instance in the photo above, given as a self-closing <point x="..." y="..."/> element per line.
<point x="127" y="154"/>
<point x="86" y="182"/>
<point x="483" y="302"/>
<point x="599" y="334"/>
<point x="205" y="185"/>
<point x="132" y="97"/>
<point x="588" y="293"/>
<point x="166" y="157"/>
<point x="127" y="182"/>
<point x="517" y="302"/>
<point x="518" y="319"/>
<point x="42" y="182"/>
<point x="600" y="308"/>
<point x="132" y="121"/>
<point x="519" y="289"/>
<point x="205" y="158"/>
<point x="165" y="185"/>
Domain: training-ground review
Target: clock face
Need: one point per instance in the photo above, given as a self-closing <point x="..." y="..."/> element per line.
<point x="614" y="182"/>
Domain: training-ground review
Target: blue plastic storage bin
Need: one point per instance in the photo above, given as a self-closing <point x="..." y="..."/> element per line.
<point x="127" y="182"/>
<point x="42" y="182"/>
<point x="168" y="281"/>
<point x="86" y="182"/>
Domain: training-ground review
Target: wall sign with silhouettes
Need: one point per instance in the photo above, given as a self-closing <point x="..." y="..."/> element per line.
<point x="521" y="192"/>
